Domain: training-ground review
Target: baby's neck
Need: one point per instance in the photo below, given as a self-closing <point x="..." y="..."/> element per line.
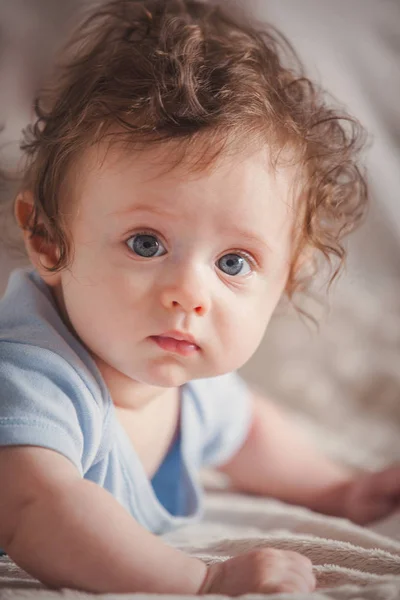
<point x="137" y="397"/>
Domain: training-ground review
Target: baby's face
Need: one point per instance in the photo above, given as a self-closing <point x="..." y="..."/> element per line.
<point x="175" y="275"/>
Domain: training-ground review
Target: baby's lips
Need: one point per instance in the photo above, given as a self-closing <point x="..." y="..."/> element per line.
<point x="171" y="344"/>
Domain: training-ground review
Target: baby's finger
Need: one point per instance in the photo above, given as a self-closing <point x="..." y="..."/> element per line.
<point x="296" y="582"/>
<point x="307" y="577"/>
<point x="302" y="566"/>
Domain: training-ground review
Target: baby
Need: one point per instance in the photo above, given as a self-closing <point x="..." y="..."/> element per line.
<point x="179" y="180"/>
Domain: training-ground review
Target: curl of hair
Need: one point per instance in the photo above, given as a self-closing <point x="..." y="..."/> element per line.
<point x="157" y="71"/>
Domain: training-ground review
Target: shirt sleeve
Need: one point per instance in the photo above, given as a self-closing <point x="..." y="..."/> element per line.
<point x="44" y="402"/>
<point x="225" y="408"/>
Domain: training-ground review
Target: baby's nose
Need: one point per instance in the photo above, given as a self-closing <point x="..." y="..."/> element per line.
<point x="190" y="296"/>
<point x="187" y="306"/>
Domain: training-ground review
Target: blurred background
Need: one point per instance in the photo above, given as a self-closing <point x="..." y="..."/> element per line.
<point x="343" y="381"/>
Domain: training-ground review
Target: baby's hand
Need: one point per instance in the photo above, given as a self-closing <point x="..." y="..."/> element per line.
<point x="264" y="571"/>
<point x="372" y="496"/>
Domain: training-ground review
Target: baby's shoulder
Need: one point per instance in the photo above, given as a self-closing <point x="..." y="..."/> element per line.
<point x="35" y="339"/>
<point x="51" y="393"/>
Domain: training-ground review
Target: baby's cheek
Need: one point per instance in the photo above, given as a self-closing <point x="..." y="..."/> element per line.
<point x="242" y="345"/>
<point x="258" y="318"/>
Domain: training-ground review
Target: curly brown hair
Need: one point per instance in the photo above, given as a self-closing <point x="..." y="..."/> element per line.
<point x="156" y="71"/>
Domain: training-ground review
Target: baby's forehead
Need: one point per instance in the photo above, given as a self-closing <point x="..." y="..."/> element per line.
<point x="170" y="166"/>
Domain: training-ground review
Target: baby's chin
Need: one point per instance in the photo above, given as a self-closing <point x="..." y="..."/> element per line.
<point x="169" y="376"/>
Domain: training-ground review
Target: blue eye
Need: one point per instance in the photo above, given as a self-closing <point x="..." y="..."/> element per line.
<point x="146" y="245"/>
<point x="234" y="264"/>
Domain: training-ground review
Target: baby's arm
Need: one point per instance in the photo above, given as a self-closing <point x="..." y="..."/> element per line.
<point x="69" y="532"/>
<point x="278" y="460"/>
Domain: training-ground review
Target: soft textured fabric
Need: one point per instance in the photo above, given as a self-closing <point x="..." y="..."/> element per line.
<point x="52" y="395"/>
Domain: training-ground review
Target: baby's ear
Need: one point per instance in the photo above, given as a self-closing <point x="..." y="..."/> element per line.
<point x="42" y="252"/>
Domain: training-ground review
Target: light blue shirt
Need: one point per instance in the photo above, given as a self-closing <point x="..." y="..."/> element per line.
<point x="52" y="395"/>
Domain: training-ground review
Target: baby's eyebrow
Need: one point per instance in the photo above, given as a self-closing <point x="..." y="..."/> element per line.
<point x="246" y="236"/>
<point x="157" y="210"/>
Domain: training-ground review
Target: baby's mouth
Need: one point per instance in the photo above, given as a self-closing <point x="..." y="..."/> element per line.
<point x="177" y="345"/>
